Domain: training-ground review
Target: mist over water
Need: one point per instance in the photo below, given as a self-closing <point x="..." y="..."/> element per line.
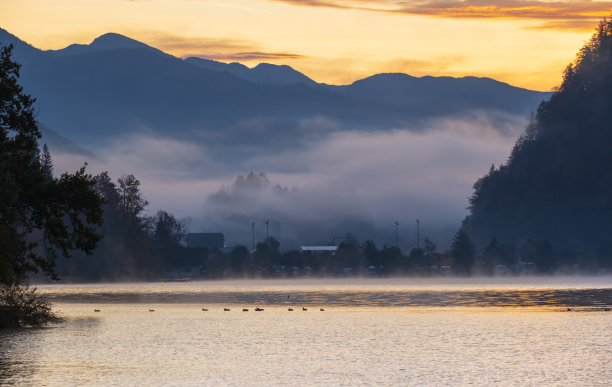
<point x="555" y="292"/>
<point x="444" y="331"/>
<point x="321" y="187"/>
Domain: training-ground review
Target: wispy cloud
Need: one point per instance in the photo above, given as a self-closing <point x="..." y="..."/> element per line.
<point x="511" y="9"/>
<point x="347" y="181"/>
<point x="194" y="45"/>
<point x="565" y="25"/>
<point x="253" y="55"/>
<point x="211" y="48"/>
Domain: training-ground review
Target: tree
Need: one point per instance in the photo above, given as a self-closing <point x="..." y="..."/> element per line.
<point x="462" y="251"/>
<point x="558" y="174"/>
<point x="40" y="217"/>
<point x="539" y="252"/>
<point x="168" y="231"/>
<point x="46" y="163"/>
<point x="131" y="201"/>
<point x="370" y="252"/>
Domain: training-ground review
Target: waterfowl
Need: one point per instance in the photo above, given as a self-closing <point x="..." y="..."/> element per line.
<point x="151" y="310"/>
<point x="322" y="310"/>
<point x="226" y="309"/>
<point x="204" y="310"/>
<point x="304" y="309"/>
<point x="96" y="310"/>
<point x="569" y="309"/>
<point x="258" y="309"/>
<point x="245" y="310"/>
<point x="290" y="309"/>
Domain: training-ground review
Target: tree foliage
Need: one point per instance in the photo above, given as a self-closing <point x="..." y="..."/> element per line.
<point x="41" y="217"/>
<point x="557" y="183"/>
<point x="463" y="252"/>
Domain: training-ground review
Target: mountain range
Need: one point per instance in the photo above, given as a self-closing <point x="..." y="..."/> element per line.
<point x="90" y="94"/>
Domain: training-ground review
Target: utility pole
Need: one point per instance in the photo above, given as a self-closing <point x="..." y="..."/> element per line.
<point x="396" y="234"/>
<point x="253" y="229"/>
<point x="267" y="233"/>
<point x="418" y="236"/>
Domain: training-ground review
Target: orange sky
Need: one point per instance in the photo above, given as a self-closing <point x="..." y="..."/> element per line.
<point x="524" y="43"/>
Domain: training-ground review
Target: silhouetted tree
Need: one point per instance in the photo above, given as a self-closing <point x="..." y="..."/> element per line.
<point x="558" y="173"/>
<point x="168" y="231"/>
<point x="370" y="253"/>
<point x="40" y="217"/>
<point x="390" y="258"/>
<point x="463" y="252"/>
<point x="46" y="163"/>
<point x="430" y="254"/>
<point x="239" y="259"/>
<point x="541" y="253"/>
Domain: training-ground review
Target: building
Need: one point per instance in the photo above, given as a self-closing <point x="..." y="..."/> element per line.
<point x="209" y="240"/>
<point x="318" y="249"/>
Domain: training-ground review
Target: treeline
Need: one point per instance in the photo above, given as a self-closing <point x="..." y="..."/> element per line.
<point x="365" y="259"/>
<point x="136" y="246"/>
<point x="133" y="244"/>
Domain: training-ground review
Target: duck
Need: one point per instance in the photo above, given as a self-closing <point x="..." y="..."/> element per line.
<point x="569" y="309"/>
<point x="290" y="309"/>
<point x="258" y="309"/>
<point x="304" y="309"/>
<point x="151" y="310"/>
<point x="322" y="310"/>
<point x="226" y="309"/>
<point x="204" y="310"/>
<point x="96" y="310"/>
<point x="245" y="310"/>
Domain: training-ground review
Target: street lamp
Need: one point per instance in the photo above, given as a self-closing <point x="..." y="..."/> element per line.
<point x="396" y="234"/>
<point x="267" y="234"/>
<point x="418" y="236"/>
<point x="253" y="229"/>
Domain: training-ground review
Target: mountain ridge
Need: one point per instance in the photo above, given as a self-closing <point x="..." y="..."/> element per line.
<point x="116" y="86"/>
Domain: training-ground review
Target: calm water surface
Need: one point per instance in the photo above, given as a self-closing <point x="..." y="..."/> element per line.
<point x="372" y="332"/>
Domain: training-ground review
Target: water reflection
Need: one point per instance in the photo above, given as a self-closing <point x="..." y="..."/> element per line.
<point x="346" y="294"/>
<point x="372" y="333"/>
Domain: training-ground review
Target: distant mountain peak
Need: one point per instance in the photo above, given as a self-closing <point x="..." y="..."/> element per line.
<point x="108" y="41"/>
<point x="113" y="40"/>
<point x="263" y="73"/>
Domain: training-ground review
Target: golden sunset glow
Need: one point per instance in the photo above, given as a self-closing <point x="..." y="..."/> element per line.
<point x="524" y="43"/>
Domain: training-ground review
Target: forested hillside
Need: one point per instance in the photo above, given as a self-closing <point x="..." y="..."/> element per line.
<point x="556" y="186"/>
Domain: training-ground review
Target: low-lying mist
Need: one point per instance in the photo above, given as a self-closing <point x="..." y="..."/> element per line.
<point x="313" y="192"/>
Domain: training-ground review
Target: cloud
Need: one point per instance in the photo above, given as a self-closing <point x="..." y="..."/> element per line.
<point x="565" y="25"/>
<point x="254" y="55"/>
<point x="186" y="45"/>
<point x="345" y="181"/>
<point x="361" y="182"/>
<point x="210" y="48"/>
<point x="510" y="9"/>
<point x="416" y="67"/>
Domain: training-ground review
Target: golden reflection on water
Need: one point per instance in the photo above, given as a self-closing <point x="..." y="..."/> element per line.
<point x="178" y="344"/>
<point x="393" y="332"/>
<point x="530" y="292"/>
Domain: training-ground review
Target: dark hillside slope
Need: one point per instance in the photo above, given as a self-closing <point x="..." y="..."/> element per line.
<point x="557" y="183"/>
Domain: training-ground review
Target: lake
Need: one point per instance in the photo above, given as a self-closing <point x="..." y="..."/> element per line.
<point x="442" y="331"/>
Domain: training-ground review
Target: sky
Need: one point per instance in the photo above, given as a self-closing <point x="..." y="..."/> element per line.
<point x="526" y="43"/>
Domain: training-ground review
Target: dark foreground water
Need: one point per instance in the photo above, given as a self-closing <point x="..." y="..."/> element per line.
<point x="373" y="332"/>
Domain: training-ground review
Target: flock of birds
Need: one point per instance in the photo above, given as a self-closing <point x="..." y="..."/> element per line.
<point x="257" y="309"/>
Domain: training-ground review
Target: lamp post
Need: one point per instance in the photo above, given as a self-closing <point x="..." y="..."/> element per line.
<point x="253" y="229"/>
<point x="418" y="236"/>
<point x="267" y="233"/>
<point x="396" y="234"/>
